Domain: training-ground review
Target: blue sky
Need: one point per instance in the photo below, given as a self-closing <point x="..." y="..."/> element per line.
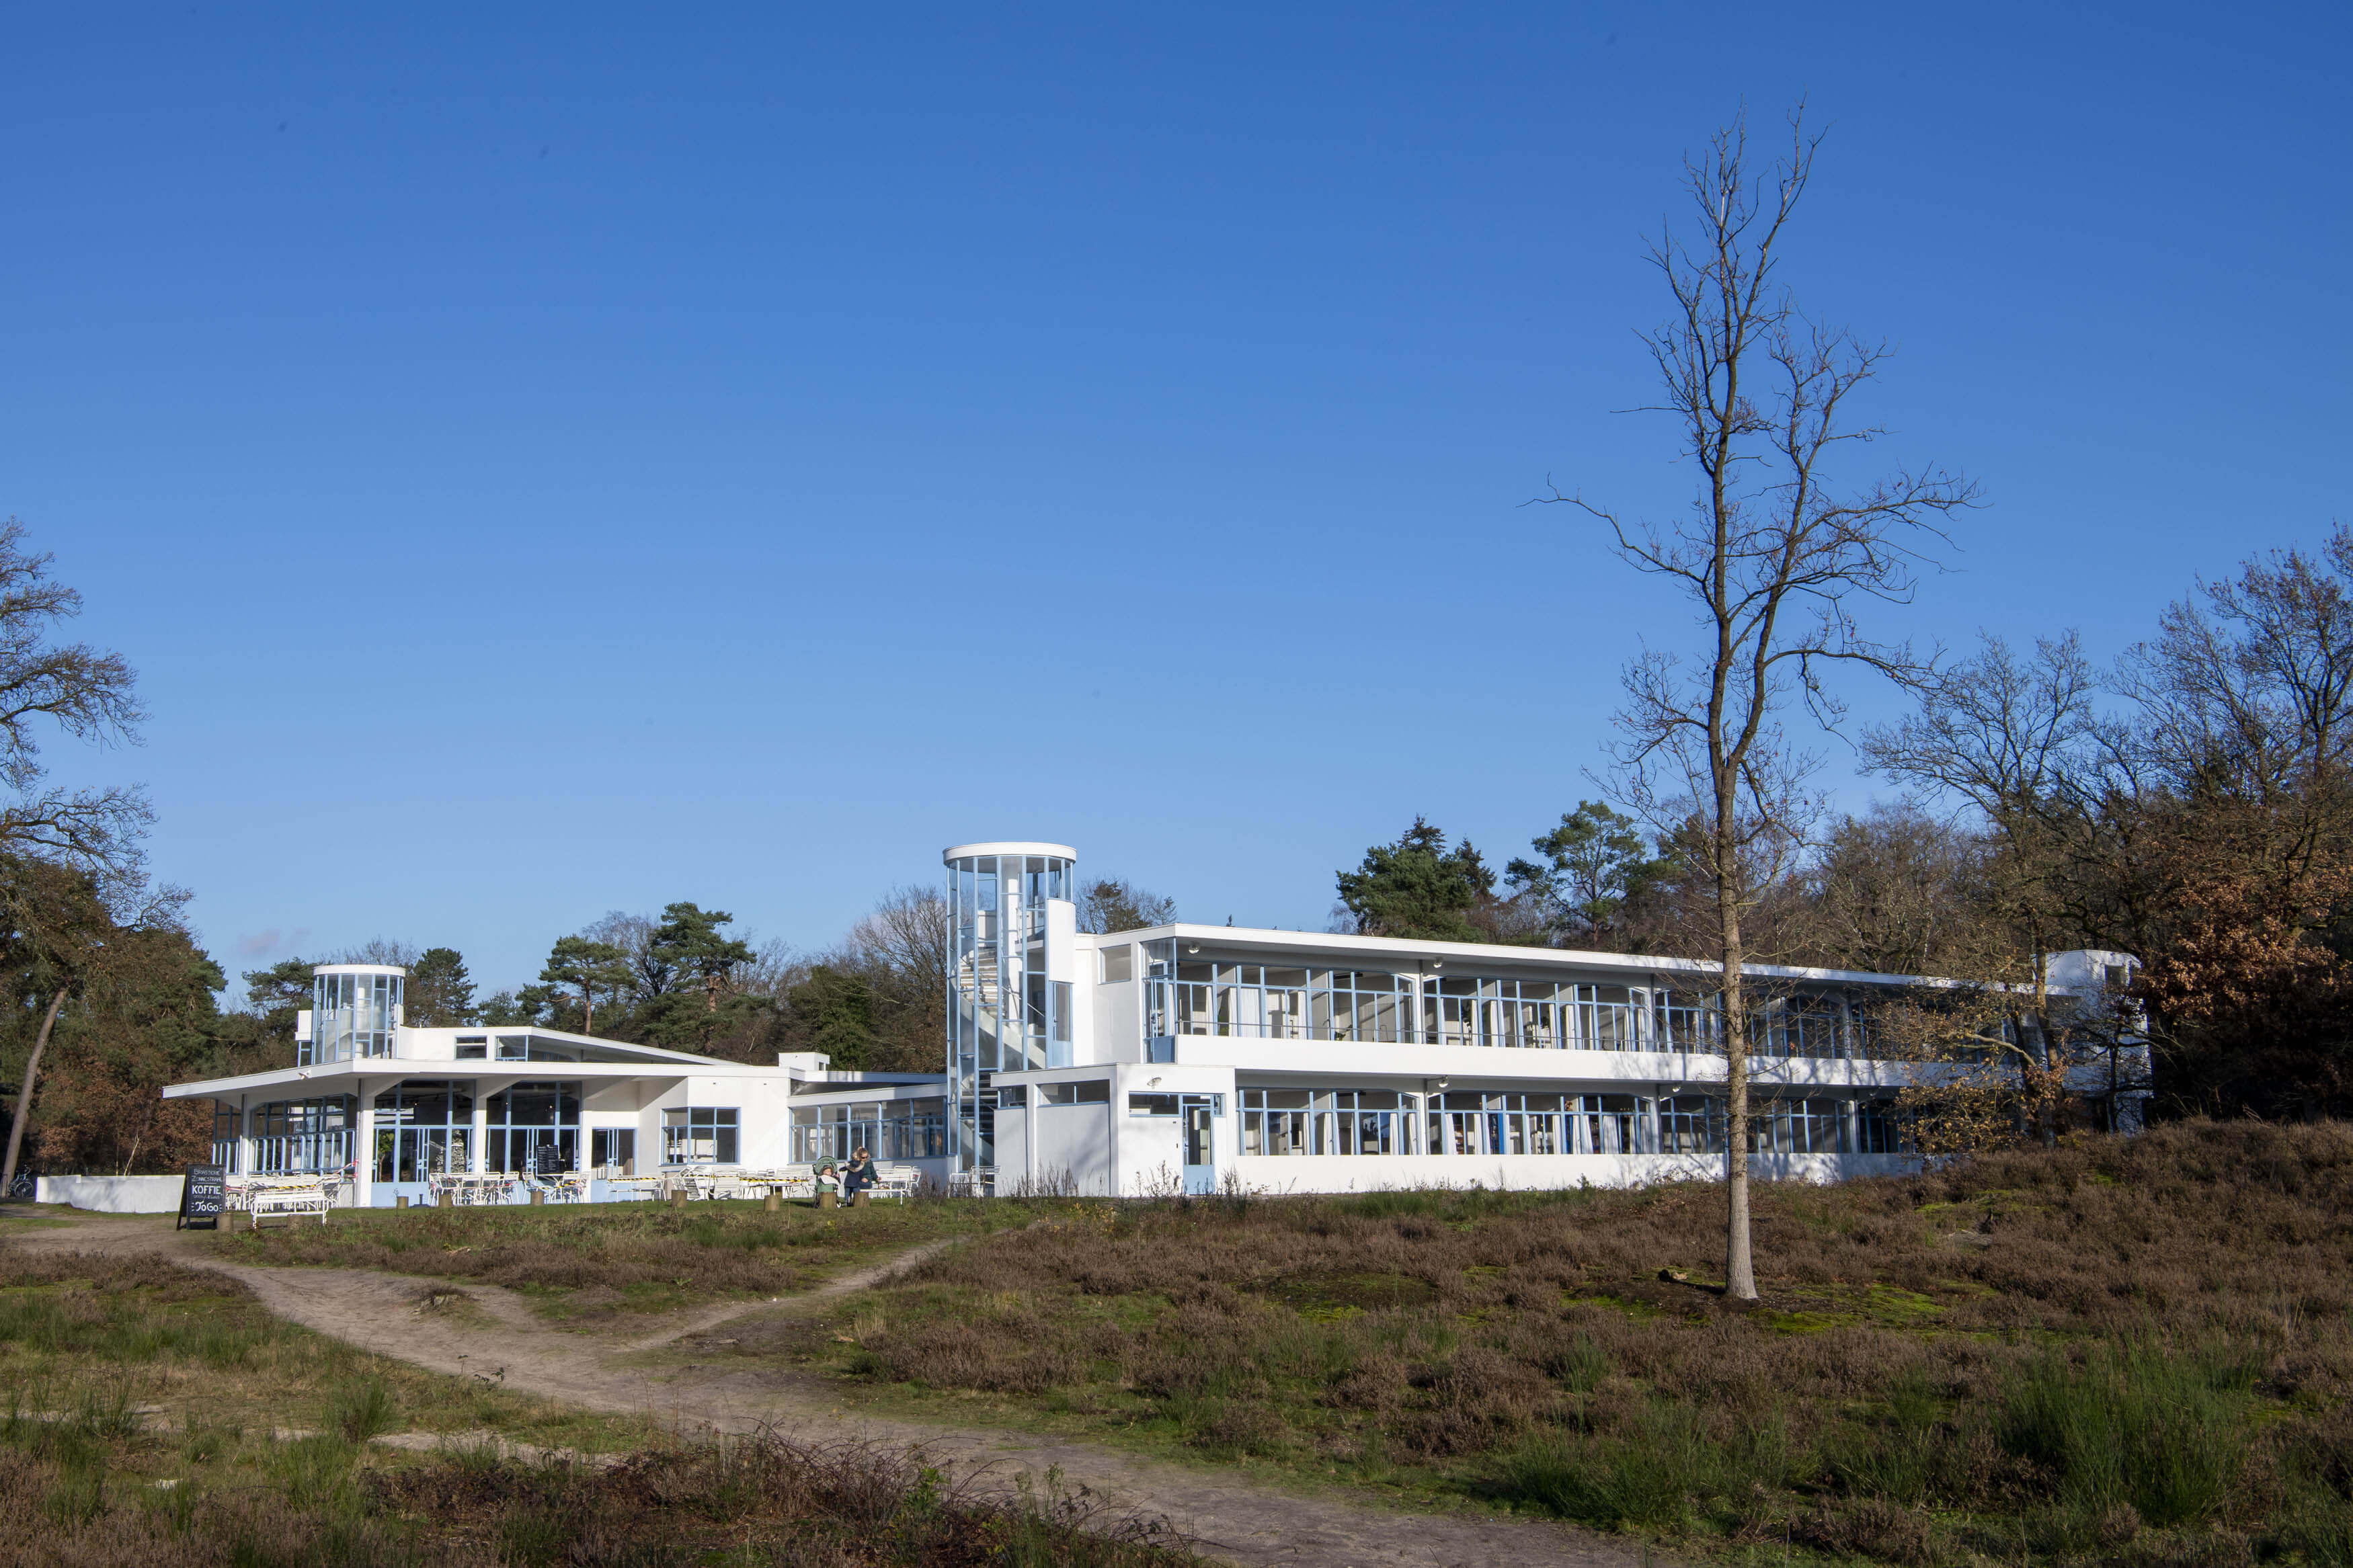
<point x="588" y="458"/>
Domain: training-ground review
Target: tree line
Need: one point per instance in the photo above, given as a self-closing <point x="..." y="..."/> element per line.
<point x="682" y="980"/>
<point x="2189" y="803"/>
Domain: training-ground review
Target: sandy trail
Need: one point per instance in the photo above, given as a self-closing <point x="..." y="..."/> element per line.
<point x="1231" y="1516"/>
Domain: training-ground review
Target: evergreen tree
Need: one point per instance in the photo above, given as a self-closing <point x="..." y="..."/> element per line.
<point x="1594" y="863"/>
<point x="440" y="993"/>
<point x="833" y="1011"/>
<point x="587" y="967"/>
<point x="1419" y="888"/>
<point x="689" y="940"/>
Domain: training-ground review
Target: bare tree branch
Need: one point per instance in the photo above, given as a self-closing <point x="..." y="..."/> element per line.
<point x="1775" y="557"/>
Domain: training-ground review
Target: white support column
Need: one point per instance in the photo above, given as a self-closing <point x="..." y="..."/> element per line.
<point x="244" y="1136"/>
<point x="477" y="1151"/>
<point x="1118" y="1096"/>
<point x="364" y="1152"/>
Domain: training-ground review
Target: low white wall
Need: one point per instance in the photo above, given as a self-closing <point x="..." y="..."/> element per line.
<point x="112" y="1195"/>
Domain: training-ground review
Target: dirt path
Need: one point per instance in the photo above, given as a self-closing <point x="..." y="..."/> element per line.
<point x="1232" y="1517"/>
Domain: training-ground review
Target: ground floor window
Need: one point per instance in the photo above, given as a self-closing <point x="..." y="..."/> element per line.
<point x="1327" y="1121"/>
<point x="613" y="1151"/>
<point x="1690" y="1124"/>
<point x="1484" y="1123"/>
<point x="1778" y="1126"/>
<point x="701" y="1135"/>
<point x="423" y="1128"/>
<point x="534" y="1129"/>
<point x="1608" y="1124"/>
<point x="889" y="1130"/>
<point x="291" y="1137"/>
<point x="1876" y="1128"/>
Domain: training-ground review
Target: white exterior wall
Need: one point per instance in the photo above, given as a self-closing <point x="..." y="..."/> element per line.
<point x="1074" y="1145"/>
<point x="112" y="1195"/>
<point x="1063" y="967"/>
<point x="1115" y="1011"/>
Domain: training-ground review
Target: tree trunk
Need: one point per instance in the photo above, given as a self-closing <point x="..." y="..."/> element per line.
<point x="2045" y="1112"/>
<point x="25" y="1093"/>
<point x="1739" y="1267"/>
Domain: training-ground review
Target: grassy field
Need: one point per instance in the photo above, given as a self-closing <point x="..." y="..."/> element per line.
<point x="156" y="1417"/>
<point x="2114" y="1351"/>
<point x="590" y="1263"/>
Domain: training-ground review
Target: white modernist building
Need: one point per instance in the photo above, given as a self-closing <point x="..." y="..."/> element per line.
<point x="1178" y="1057"/>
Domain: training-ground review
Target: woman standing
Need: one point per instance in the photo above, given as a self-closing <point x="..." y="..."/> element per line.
<point x="856" y="1177"/>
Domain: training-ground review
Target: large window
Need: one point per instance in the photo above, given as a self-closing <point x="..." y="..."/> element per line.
<point x="1877" y="1128"/>
<point x="889" y="1130"/>
<point x="701" y="1135"/>
<point x="1799" y="1026"/>
<point x="1690" y="1124"/>
<point x="291" y="1137"/>
<point x="1470" y="1122"/>
<point x="534" y="1129"/>
<point x="1779" y="1126"/>
<point x="1204" y="996"/>
<point x="424" y="1127"/>
<point x="1278" y="1122"/>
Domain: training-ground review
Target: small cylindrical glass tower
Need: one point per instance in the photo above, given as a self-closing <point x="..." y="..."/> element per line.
<point x="1000" y="1006"/>
<point x="354" y="1011"/>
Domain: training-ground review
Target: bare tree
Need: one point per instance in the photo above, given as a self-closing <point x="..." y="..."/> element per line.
<point x="2011" y="738"/>
<point x="2246" y="696"/>
<point x="900" y="951"/>
<point x="381" y="949"/>
<point x="1897" y="891"/>
<point x="1775" y="556"/>
<point x="1111" y="903"/>
<point x="84" y="692"/>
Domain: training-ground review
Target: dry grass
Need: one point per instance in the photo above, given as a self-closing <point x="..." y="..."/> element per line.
<point x="96" y="1471"/>
<point x="2142" y="1348"/>
<point x="193" y="1349"/>
<point x="595" y="1260"/>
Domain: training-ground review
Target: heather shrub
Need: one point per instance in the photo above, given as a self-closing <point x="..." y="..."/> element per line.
<point x="2140" y="1346"/>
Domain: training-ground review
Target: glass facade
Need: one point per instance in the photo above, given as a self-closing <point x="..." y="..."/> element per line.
<point x="1487" y="1122"/>
<point x="1002" y="1014"/>
<point x="424" y="1127"/>
<point x="353" y="1014"/>
<point x="534" y="1129"/>
<point x="291" y="1137"/>
<point x="1190" y="995"/>
<point x="889" y="1130"/>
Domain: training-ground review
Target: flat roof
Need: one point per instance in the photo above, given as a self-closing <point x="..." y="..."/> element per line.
<point x="1008" y="846"/>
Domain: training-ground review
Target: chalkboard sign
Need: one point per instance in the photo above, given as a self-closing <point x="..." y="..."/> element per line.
<point x="202" y="1198"/>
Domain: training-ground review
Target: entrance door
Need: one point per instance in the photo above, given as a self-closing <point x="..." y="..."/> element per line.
<point x="1200" y="1143"/>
